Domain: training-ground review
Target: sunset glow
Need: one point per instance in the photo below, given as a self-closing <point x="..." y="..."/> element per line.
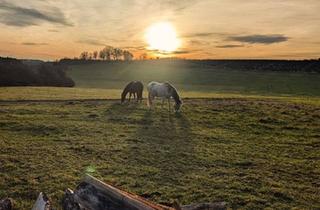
<point x="195" y="29"/>
<point x="162" y="37"/>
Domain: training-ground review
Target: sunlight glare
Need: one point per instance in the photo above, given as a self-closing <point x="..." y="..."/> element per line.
<point x="162" y="37"/>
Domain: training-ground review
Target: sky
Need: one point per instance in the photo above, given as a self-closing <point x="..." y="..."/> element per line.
<point x="206" y="29"/>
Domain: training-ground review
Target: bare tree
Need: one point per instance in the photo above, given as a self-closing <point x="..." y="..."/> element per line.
<point x="143" y="56"/>
<point x="102" y="55"/>
<point x="118" y="53"/>
<point x="108" y="53"/>
<point x="127" y="56"/>
<point x="95" y="55"/>
<point x="84" y="55"/>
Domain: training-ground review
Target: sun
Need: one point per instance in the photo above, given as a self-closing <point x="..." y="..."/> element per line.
<point x="162" y="36"/>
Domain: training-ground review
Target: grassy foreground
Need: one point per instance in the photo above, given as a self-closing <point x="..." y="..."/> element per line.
<point x="261" y="153"/>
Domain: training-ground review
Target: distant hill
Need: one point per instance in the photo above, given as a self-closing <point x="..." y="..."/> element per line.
<point x="32" y="62"/>
<point x="14" y="72"/>
<point x="256" y="77"/>
<point x="246" y="65"/>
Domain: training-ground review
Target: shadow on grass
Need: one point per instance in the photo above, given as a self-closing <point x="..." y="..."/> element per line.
<point x="161" y="152"/>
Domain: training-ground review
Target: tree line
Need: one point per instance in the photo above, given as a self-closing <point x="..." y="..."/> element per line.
<point x="14" y="72"/>
<point x="108" y="53"/>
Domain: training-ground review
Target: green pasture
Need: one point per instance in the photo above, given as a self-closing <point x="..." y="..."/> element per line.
<point x="193" y="76"/>
<point x="253" y="152"/>
<point x="248" y="138"/>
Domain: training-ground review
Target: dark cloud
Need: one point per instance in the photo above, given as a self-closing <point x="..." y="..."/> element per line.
<point x="177" y="52"/>
<point x="53" y="30"/>
<point x="92" y="42"/>
<point x="135" y="47"/>
<point x="178" y="6"/>
<point x="229" y="46"/>
<point x="14" y="15"/>
<point x="198" y="42"/>
<point x="203" y="34"/>
<point x="33" y="43"/>
<point x="259" y="39"/>
<point x="299" y="55"/>
<point x="181" y="52"/>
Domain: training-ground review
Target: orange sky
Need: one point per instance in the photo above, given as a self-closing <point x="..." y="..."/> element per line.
<point x="217" y="29"/>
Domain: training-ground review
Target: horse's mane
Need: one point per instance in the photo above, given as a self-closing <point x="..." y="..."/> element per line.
<point x="174" y="93"/>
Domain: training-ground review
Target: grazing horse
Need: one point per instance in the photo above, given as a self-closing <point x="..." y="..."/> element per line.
<point x="164" y="91"/>
<point x="135" y="88"/>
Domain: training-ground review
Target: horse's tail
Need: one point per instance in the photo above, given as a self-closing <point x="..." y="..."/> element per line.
<point x="140" y="92"/>
<point x="149" y="99"/>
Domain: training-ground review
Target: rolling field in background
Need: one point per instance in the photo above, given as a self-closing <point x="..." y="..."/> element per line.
<point x="196" y="77"/>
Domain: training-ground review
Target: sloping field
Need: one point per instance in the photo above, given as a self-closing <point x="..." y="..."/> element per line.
<point x="69" y="94"/>
<point x="253" y="153"/>
<point x="196" y="76"/>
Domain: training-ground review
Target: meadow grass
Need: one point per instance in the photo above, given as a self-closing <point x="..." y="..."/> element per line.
<point x="195" y="76"/>
<point x="60" y="93"/>
<point x="254" y="154"/>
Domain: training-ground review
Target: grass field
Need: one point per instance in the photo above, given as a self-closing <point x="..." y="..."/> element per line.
<point x="193" y="76"/>
<point x="253" y="152"/>
<point x="248" y="138"/>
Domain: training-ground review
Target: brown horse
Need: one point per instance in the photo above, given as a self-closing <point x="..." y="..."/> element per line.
<point x="135" y="88"/>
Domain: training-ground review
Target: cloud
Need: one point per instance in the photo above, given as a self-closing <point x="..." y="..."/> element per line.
<point x="229" y="46"/>
<point x="14" y="15"/>
<point x="137" y="48"/>
<point x="177" y="52"/>
<point x="259" y="39"/>
<point x="198" y="42"/>
<point x="202" y="34"/>
<point x="91" y="42"/>
<point x="178" y="6"/>
<point x="33" y="43"/>
<point x="53" y="30"/>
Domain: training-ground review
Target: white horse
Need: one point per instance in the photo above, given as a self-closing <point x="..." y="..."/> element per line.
<point x="164" y="91"/>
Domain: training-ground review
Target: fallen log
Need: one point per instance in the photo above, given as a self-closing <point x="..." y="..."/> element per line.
<point x="69" y="202"/>
<point x="42" y="203"/>
<point x="92" y="194"/>
<point x="96" y="195"/>
<point x="6" y="204"/>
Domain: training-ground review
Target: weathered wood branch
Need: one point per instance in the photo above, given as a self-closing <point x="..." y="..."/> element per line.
<point x="94" y="194"/>
<point x="6" y="204"/>
<point x="69" y="202"/>
<point x="42" y="203"/>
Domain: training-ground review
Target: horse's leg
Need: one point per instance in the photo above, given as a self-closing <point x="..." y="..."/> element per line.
<point x="136" y="97"/>
<point x="130" y="96"/>
<point x="169" y="104"/>
<point x="140" y="97"/>
<point x="149" y="102"/>
<point x="162" y="102"/>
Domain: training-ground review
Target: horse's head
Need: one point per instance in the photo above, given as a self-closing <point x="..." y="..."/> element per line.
<point x="123" y="96"/>
<point x="177" y="106"/>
